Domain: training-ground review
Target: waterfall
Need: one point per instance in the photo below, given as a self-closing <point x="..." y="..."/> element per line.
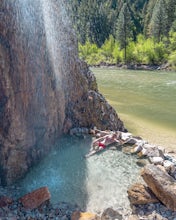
<point x="55" y="36"/>
<point x="44" y="87"/>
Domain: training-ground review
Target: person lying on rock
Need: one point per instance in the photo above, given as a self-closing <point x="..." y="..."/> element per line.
<point x="102" y="142"/>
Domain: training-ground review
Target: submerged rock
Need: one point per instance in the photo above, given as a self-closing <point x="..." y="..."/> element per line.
<point x="111" y="214"/>
<point x="77" y="215"/>
<point x="5" y="201"/>
<point x="45" y="90"/>
<point x="35" y="198"/>
<point x="142" y="162"/>
<point x="139" y="194"/>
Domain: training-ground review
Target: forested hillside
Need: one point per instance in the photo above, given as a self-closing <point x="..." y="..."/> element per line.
<point x="131" y="31"/>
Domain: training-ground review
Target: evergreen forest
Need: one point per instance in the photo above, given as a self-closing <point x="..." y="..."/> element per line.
<point x="125" y="31"/>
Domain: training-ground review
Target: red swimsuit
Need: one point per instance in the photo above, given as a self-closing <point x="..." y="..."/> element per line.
<point x="101" y="145"/>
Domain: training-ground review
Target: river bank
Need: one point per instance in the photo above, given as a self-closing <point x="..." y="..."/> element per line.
<point x="165" y="66"/>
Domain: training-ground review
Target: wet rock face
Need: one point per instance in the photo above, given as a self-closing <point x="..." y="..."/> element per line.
<point x="45" y="90"/>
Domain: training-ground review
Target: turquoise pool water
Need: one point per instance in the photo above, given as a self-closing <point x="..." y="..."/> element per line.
<point x="94" y="183"/>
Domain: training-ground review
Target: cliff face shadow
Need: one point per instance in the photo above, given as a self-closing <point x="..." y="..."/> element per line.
<point x="63" y="171"/>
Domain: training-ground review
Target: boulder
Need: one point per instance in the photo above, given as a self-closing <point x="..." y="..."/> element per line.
<point x="161" y="168"/>
<point x="131" y="141"/>
<point x="137" y="149"/>
<point x="79" y="131"/>
<point x="170" y="157"/>
<point x="133" y="217"/>
<point x="111" y="214"/>
<point x="127" y="150"/>
<point x="168" y="165"/>
<point x="172" y="171"/>
<point x="142" y="153"/>
<point x="153" y="151"/>
<point x="156" y="160"/>
<point x="77" y="215"/>
<point x="140" y="194"/>
<point x="142" y="162"/>
<point x="36" y="198"/>
<point x="161" y="184"/>
<point x="125" y="136"/>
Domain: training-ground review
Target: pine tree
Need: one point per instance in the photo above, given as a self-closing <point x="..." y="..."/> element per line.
<point x="93" y="19"/>
<point x="171" y="9"/>
<point x="158" y="25"/>
<point x="147" y="15"/>
<point x="173" y="24"/>
<point x="124" y="28"/>
<point x="136" y="10"/>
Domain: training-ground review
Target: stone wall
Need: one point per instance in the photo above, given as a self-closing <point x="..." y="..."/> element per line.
<point x="45" y="90"/>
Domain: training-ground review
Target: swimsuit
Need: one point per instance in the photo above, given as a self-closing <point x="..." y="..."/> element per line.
<point x="101" y="145"/>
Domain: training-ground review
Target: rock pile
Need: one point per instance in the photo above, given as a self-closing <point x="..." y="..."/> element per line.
<point x="35" y="205"/>
<point x="159" y="172"/>
<point x="156" y="155"/>
<point x="159" y="175"/>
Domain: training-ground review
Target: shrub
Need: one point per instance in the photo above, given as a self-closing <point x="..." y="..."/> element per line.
<point x="172" y="60"/>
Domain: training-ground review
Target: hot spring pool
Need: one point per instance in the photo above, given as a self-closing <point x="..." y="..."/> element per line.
<point x="95" y="183"/>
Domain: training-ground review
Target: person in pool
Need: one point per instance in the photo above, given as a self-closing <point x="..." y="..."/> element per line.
<point x="102" y="142"/>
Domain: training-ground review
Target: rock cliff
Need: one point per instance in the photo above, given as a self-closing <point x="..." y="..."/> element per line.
<point x="45" y="90"/>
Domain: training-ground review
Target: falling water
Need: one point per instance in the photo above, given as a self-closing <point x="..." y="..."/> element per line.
<point x="55" y="35"/>
<point x="48" y="20"/>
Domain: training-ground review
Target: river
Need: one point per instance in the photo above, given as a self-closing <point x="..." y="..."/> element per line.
<point x="144" y="100"/>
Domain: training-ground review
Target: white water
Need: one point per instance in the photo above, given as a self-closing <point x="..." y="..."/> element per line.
<point x="94" y="184"/>
<point x="53" y="24"/>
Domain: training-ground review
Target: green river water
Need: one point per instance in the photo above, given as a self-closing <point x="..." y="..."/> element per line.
<point x="144" y="100"/>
